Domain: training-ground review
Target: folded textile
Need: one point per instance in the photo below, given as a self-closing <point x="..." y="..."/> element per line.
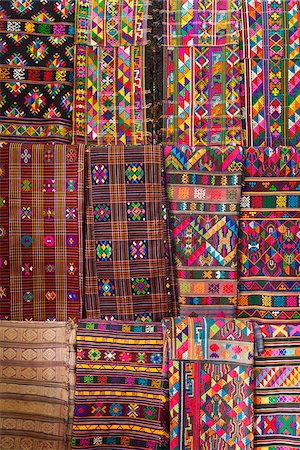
<point x="37" y="73"/>
<point x="277" y="388"/>
<point x="41" y="214"/>
<point x="269" y="257"/>
<point x="37" y="378"/>
<point x="129" y="273"/>
<point x="121" y="394"/>
<point x="204" y="188"/>
<point x="210" y="368"/>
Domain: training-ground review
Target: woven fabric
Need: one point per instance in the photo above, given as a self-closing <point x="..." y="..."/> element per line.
<point x="209" y="23"/>
<point x="128" y="265"/>
<point x="204" y="188"/>
<point x="111" y="22"/>
<point x="37" y="377"/>
<point x="210" y="367"/>
<point x="110" y="102"/>
<point x="271" y="101"/>
<point x="121" y="394"/>
<point x="41" y="209"/>
<point x="271" y="29"/>
<point x="36" y="74"/>
<point x="269" y="261"/>
<point x="201" y="98"/>
<point x="277" y="389"/>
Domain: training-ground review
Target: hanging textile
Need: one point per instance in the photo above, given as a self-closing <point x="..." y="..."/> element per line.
<point x="210" y="368"/>
<point x="37" y="73"/>
<point x="269" y="261"/>
<point x="121" y="394"/>
<point x="37" y="377"/>
<point x="128" y="262"/>
<point x="41" y="213"/>
<point x="204" y="187"/>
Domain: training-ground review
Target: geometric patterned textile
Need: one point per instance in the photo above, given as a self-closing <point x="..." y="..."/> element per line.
<point x="36" y="73"/>
<point x="111" y="22"/>
<point x="269" y="241"/>
<point x="277" y="389"/>
<point x="271" y="102"/>
<point x="210" y="369"/>
<point x="206" y="23"/>
<point x="129" y="274"/>
<point x="121" y="394"/>
<point x="41" y="209"/>
<point x="204" y="188"/>
<point x="271" y="29"/>
<point x="37" y="377"/>
<point x="202" y="98"/>
<point x="110" y="102"/>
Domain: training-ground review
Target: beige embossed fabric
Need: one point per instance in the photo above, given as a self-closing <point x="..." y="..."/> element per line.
<point x="37" y="370"/>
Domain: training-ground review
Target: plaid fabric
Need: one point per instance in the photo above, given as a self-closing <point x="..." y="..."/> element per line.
<point x="37" y="378"/>
<point x="112" y="23"/>
<point x="277" y="388"/>
<point x="128" y="273"/>
<point x="269" y="258"/>
<point x="36" y="73"/>
<point x="121" y="394"/>
<point x="206" y="23"/>
<point x="204" y="187"/>
<point x="41" y="209"/>
<point x="210" y="368"/>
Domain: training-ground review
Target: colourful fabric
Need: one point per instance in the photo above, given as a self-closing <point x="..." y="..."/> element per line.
<point x="204" y="187"/>
<point x="271" y="102"/>
<point x="210" y="367"/>
<point x="128" y="266"/>
<point x="121" y="394"/>
<point x="201" y="98"/>
<point x="206" y="23"/>
<point x="36" y="74"/>
<point x="110" y="104"/>
<point x="37" y="377"/>
<point x="271" y="29"/>
<point x="112" y="22"/>
<point x="269" y="246"/>
<point x="41" y="212"/>
<point x="277" y="389"/>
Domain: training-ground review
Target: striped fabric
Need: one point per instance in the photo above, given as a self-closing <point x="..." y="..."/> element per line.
<point x="204" y="187"/>
<point x="37" y="378"/>
<point x="41" y="210"/>
<point x="128" y="267"/>
<point x="269" y="257"/>
<point x="277" y="394"/>
<point x="121" y="395"/>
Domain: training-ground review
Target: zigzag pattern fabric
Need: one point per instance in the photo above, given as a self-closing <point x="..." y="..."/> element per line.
<point x="204" y="188"/>
<point x="277" y="388"/>
<point x="269" y="245"/>
<point x="210" y="369"/>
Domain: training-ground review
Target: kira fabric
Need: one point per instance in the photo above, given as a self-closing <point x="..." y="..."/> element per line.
<point x="210" y="368"/>
<point x="110" y="99"/>
<point x="112" y="23"/>
<point x="269" y="261"/>
<point x="128" y="263"/>
<point x="204" y="188"/>
<point x="37" y="377"/>
<point x="41" y="213"/>
<point x="277" y="388"/>
<point x="36" y="73"/>
<point x="121" y="394"/>
<point x="206" y="23"/>
<point x="202" y="105"/>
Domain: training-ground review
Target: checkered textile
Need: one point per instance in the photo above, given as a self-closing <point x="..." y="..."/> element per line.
<point x="41" y="207"/>
<point x="128" y="267"/>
